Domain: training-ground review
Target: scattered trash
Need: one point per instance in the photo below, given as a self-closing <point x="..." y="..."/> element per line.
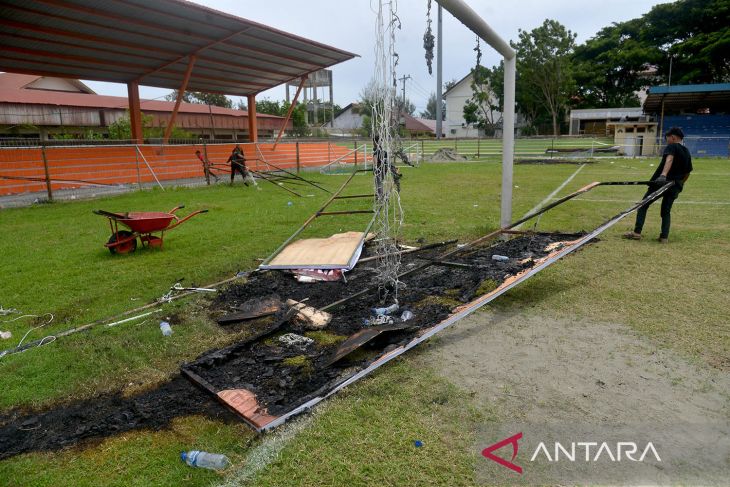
<point x="311" y="318"/>
<point x="406" y="315"/>
<point x="294" y="340"/>
<point x="177" y="287"/>
<point x="500" y="258"/>
<point x="418" y="443"/>
<point x="314" y="275"/>
<point x="4" y="312"/>
<point x="385" y="311"/>
<point x="289" y="203"/>
<point x="5" y="335"/>
<point x="475" y="206"/>
<point x="202" y="459"/>
<point x="379" y="320"/>
<point x="165" y="328"/>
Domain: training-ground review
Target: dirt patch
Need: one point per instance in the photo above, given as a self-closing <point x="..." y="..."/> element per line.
<point x="445" y="155"/>
<point x="578" y="380"/>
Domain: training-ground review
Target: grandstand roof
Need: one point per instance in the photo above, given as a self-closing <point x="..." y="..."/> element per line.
<point x="688" y="97"/>
<point x="151" y="43"/>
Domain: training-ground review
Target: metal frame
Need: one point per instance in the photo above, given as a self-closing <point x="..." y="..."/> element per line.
<point x="243" y="402"/>
<point x="335" y="196"/>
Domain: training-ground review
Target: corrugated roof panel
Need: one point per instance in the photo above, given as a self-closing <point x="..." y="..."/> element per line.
<point x="127" y="40"/>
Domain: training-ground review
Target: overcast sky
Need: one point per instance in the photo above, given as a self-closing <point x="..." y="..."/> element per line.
<point x="349" y="25"/>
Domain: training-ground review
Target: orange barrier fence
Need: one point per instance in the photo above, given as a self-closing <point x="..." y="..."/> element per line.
<point x="23" y="169"/>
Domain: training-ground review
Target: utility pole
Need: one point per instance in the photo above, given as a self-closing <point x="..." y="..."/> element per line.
<point x="439" y="81"/>
<point x="403" y="80"/>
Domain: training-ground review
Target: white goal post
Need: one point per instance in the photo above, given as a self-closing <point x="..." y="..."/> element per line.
<point x="476" y="24"/>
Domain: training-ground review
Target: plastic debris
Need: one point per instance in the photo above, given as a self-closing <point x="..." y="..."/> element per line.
<point x="165" y="328"/>
<point x="406" y="315"/>
<point x="294" y="340"/>
<point x="202" y="459"/>
<point x="500" y="258"/>
<point x="418" y="443"/>
<point x="5" y="335"/>
<point x="379" y="320"/>
<point x="385" y="311"/>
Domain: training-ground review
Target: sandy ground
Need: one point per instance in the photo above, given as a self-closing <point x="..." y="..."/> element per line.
<point x="575" y="381"/>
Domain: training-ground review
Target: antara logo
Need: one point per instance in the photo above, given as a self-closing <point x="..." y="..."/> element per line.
<point x="588" y="451"/>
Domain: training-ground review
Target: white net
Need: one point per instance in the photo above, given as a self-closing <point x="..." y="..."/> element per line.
<point x="388" y="211"/>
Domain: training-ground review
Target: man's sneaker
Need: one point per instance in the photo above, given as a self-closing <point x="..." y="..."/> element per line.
<point x="632" y="236"/>
<point x="663" y="240"/>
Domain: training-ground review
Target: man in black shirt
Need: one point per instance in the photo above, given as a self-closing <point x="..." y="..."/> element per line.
<point x="675" y="166"/>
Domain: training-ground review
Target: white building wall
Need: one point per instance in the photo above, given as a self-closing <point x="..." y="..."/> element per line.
<point x="455" y="99"/>
<point x="348" y="120"/>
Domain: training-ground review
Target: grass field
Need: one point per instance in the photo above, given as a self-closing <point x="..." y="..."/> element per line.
<point x="53" y="261"/>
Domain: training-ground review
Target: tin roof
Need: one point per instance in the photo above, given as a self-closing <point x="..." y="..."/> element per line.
<point x="688" y="97"/>
<point x="151" y="43"/>
<point x="84" y="100"/>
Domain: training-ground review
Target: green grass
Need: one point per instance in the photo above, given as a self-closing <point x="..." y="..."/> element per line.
<point x="53" y="260"/>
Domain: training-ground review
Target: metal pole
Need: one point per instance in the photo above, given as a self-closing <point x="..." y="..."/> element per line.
<point x="298" y="163"/>
<point x="136" y="160"/>
<point x="439" y="69"/>
<point x="48" y="174"/>
<point x="508" y="139"/>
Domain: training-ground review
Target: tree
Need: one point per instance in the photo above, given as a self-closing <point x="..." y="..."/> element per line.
<point x="407" y="107"/>
<point x="484" y="108"/>
<point x="298" y="118"/>
<point x="121" y="129"/>
<point x="545" y="77"/>
<point x="450" y="84"/>
<point x="612" y="66"/>
<point x="199" y="97"/>
<point x="270" y="107"/>
<point x="430" y="111"/>
<point x="695" y="34"/>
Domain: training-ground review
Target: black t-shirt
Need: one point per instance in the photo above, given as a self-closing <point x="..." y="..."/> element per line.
<point x="681" y="164"/>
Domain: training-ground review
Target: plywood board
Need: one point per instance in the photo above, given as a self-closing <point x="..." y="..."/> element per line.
<point x="340" y="251"/>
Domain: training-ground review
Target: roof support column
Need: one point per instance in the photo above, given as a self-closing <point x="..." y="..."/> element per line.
<point x="135" y="113"/>
<point x="253" y="135"/>
<point x="178" y="100"/>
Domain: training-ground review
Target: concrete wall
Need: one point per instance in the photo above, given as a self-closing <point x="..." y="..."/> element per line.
<point x="348" y="120"/>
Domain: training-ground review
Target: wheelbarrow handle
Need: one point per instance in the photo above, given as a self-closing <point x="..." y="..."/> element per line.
<point x="172" y="212"/>
<point x="109" y="214"/>
<point x="180" y="221"/>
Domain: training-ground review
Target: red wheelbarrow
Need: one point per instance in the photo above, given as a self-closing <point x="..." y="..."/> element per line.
<point x="142" y="224"/>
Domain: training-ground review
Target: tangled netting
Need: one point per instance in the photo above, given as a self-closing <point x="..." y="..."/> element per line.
<point x="388" y="211"/>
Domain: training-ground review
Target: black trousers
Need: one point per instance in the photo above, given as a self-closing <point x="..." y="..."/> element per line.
<point x="666" y="211"/>
<point x="235" y="167"/>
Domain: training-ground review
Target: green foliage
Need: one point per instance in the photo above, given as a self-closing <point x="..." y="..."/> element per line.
<point x="298" y="118"/>
<point x="545" y="75"/>
<point x="612" y="66"/>
<point x="430" y="111"/>
<point x="215" y="99"/>
<point x="270" y="107"/>
<point x="121" y="129"/>
<point x="483" y="109"/>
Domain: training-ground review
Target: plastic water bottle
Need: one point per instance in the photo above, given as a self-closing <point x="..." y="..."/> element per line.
<point x="385" y="311"/>
<point x="202" y="459"/>
<point x="500" y="258"/>
<point x="165" y="328"/>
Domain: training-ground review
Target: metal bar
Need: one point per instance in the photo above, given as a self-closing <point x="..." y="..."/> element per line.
<point x="178" y="100"/>
<point x="290" y="173"/>
<point x="308" y="221"/>
<point x="409" y="251"/>
<point x="344" y="212"/>
<point x="471" y="19"/>
<point x="265" y="178"/>
<point x="355" y="196"/>
<point x="150" y="168"/>
<point x="48" y="174"/>
<point x="288" y="116"/>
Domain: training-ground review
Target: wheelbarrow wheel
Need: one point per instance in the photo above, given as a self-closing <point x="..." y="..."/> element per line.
<point x="124" y="247"/>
